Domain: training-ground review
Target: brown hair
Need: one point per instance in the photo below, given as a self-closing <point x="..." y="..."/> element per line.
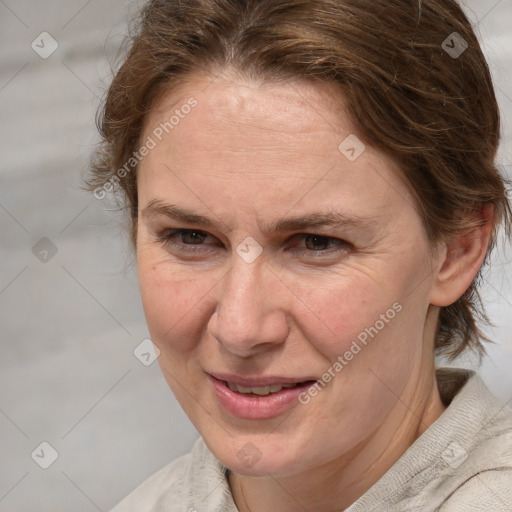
<point x="413" y="90"/>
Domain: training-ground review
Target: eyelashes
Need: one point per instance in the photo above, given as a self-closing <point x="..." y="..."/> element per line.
<point x="187" y="239"/>
<point x="325" y="242"/>
<point x="300" y="245"/>
<point x="188" y="236"/>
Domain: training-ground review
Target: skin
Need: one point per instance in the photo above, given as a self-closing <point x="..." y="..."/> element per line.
<point x="248" y="155"/>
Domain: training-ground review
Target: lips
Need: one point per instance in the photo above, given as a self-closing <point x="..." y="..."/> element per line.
<point x="257" y="397"/>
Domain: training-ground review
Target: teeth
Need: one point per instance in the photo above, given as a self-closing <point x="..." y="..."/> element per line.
<point x="260" y="390"/>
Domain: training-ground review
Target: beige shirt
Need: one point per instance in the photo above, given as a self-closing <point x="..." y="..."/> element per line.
<point x="461" y="463"/>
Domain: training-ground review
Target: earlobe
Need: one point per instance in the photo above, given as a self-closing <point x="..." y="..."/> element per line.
<point x="461" y="259"/>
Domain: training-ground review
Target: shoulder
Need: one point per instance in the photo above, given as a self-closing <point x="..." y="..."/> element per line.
<point x="461" y="463"/>
<point x="194" y="481"/>
<point x="481" y="478"/>
<point x="485" y="478"/>
<point x="488" y="490"/>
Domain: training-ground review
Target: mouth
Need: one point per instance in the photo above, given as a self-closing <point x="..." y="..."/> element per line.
<point x="261" y="386"/>
<point x="258" y="397"/>
<point x="264" y="390"/>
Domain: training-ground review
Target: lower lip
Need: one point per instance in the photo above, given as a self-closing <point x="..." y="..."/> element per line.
<point x="255" y="407"/>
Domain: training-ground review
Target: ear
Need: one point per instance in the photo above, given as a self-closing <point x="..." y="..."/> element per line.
<point x="460" y="259"/>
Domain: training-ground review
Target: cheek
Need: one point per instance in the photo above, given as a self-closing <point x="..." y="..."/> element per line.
<point x="176" y="305"/>
<point x="341" y="311"/>
<point x="358" y="318"/>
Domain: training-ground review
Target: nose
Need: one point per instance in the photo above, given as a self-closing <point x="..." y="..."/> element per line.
<point x="250" y="316"/>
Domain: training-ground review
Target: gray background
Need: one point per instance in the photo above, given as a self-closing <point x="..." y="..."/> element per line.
<point x="69" y="325"/>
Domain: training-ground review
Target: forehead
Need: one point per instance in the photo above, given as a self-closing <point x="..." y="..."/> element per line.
<point x="266" y="143"/>
<point x="290" y="106"/>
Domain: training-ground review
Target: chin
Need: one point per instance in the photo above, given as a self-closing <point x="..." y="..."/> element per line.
<point x="255" y="455"/>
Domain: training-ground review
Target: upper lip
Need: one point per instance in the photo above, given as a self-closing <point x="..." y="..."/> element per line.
<point x="252" y="382"/>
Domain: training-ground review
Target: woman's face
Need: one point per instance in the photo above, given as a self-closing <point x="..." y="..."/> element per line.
<point x="270" y="255"/>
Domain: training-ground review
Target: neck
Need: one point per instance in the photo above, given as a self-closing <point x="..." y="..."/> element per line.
<point x="338" y="484"/>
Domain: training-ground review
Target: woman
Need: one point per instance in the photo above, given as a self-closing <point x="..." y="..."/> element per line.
<point x="313" y="192"/>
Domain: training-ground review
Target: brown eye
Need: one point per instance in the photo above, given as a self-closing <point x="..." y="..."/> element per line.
<point x="317" y="243"/>
<point x="191" y="237"/>
<point x="187" y="240"/>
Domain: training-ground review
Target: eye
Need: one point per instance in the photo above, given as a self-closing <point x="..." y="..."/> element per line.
<point x="187" y="240"/>
<point x="319" y="243"/>
<point x="311" y="246"/>
<point x="189" y="236"/>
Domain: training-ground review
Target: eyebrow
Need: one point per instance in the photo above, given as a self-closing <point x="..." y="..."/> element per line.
<point x="155" y="207"/>
<point x="312" y="220"/>
<point x="319" y="219"/>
